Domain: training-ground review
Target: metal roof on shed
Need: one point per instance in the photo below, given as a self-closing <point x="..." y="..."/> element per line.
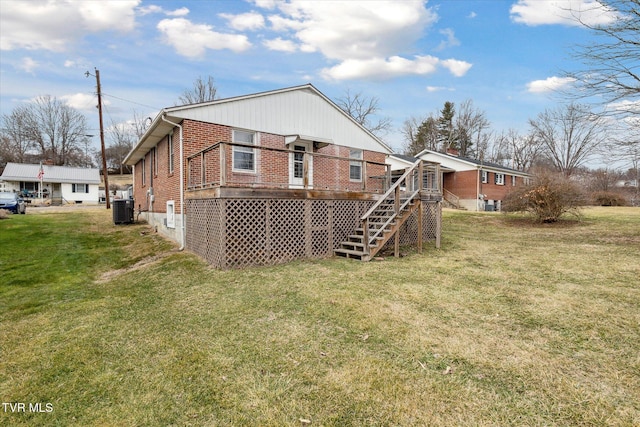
<point x="56" y="174"/>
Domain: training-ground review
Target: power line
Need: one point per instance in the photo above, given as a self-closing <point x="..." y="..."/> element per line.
<point x="132" y="102"/>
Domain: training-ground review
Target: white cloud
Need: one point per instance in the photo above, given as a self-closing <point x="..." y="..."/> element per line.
<point x="54" y="25"/>
<point x="450" y="41"/>
<point x="192" y="40"/>
<point x="395" y="66"/>
<point x="183" y="11"/>
<point x="625" y="106"/>
<point x="246" y="21"/>
<point x="365" y="39"/>
<point x="28" y="65"/>
<point x="146" y="10"/>
<point x="356" y="29"/>
<point x="83" y="101"/>
<point x="549" y="85"/>
<point x="472" y="15"/>
<point x="564" y="12"/>
<point x="280" y="45"/>
<point x="438" y="89"/>
<point x="456" y="67"/>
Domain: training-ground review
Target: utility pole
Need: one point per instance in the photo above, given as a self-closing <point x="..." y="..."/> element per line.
<point x="105" y="173"/>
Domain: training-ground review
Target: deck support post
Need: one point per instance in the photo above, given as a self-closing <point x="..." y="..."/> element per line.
<point x="223" y="164"/>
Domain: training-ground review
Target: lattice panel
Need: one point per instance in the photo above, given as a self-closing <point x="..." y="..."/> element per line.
<point x="204" y="228"/>
<point x="245" y="232"/>
<point x="346" y="218"/>
<point x="236" y="233"/>
<point x="287" y="221"/>
<point x="409" y="230"/>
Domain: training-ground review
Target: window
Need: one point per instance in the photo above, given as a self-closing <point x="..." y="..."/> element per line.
<point x="79" y="188"/>
<point x="244" y="158"/>
<point x="499" y="179"/>
<point x="485" y="177"/>
<point x="355" y="167"/>
<point x="513" y="180"/>
<point x="170" y="154"/>
<point x="143" y="169"/>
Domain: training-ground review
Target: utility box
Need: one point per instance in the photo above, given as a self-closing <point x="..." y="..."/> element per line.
<point x="122" y="211"/>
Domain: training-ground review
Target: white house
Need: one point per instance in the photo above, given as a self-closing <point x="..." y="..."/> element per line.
<point x="60" y="184"/>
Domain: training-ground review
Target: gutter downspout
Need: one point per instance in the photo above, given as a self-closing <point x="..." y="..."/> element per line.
<point x="182" y="225"/>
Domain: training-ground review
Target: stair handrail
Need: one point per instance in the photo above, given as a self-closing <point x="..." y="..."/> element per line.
<point x="394" y="189"/>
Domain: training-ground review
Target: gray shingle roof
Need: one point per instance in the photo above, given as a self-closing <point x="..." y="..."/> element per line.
<point x="62" y="174"/>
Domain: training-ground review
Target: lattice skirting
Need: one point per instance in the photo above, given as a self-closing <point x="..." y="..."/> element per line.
<point x="235" y="233"/>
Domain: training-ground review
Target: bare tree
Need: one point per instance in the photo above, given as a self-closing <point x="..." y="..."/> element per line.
<point x="517" y="151"/>
<point x="49" y="126"/>
<point x="139" y="124"/>
<point x="364" y="109"/>
<point x="569" y="135"/>
<point x="470" y="126"/>
<point x="611" y="68"/>
<point x="122" y="136"/>
<point x="15" y="142"/>
<point x="202" y="91"/>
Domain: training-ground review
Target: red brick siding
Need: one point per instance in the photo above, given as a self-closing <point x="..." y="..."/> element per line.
<point x="465" y="185"/>
<point x="272" y="168"/>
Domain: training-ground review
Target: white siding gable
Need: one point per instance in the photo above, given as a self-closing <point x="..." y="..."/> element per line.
<point x="296" y="111"/>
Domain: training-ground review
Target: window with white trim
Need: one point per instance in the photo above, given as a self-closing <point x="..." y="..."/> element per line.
<point x="79" y="188"/>
<point x="244" y="158"/>
<point x="144" y="170"/>
<point x="355" y="167"/>
<point x="485" y="177"/>
<point x="499" y="180"/>
<point x="513" y="180"/>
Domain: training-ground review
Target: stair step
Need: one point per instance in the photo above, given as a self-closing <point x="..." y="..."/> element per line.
<point x="358" y="244"/>
<point x="350" y="253"/>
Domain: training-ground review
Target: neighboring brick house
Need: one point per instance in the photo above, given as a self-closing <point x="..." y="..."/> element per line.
<point x="258" y="179"/>
<point x="473" y="184"/>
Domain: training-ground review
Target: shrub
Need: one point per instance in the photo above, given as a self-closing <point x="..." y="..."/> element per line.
<point x="548" y="198"/>
<point x="607" y="198"/>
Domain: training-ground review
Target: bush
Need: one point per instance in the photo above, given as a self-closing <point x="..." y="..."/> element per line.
<point x="548" y="198"/>
<point x="607" y="198"/>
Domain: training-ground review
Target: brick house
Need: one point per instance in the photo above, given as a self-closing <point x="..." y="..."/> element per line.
<point x="473" y="184"/>
<point x="258" y="179"/>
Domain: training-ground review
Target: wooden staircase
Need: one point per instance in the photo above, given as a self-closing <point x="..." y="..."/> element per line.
<point x="385" y="217"/>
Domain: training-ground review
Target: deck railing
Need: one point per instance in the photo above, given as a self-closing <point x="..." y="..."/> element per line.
<point x="234" y="164"/>
<point x="421" y="179"/>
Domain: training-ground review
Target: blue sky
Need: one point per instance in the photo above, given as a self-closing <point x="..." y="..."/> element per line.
<point x="506" y="56"/>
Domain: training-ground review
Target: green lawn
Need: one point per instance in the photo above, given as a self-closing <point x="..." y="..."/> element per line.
<point x="510" y="323"/>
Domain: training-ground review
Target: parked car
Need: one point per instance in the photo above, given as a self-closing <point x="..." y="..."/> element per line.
<point x="12" y="202"/>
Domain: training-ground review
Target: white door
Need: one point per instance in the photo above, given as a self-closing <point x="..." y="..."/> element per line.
<point x="296" y="165"/>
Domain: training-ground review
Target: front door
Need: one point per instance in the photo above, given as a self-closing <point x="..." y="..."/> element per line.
<point x="296" y="165"/>
<point x="56" y="194"/>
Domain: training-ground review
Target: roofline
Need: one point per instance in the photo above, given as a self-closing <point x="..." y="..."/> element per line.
<point x="167" y="111"/>
<point x="478" y="165"/>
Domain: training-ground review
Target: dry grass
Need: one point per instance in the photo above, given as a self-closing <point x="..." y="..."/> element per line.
<point x="511" y="323"/>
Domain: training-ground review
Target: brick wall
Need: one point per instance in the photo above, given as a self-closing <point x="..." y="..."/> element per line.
<point x="272" y="168"/>
<point x="465" y="185"/>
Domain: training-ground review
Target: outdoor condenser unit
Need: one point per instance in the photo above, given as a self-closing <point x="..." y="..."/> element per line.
<point x="122" y="211"/>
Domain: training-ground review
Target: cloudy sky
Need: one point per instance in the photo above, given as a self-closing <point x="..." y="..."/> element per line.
<point x="506" y="56"/>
